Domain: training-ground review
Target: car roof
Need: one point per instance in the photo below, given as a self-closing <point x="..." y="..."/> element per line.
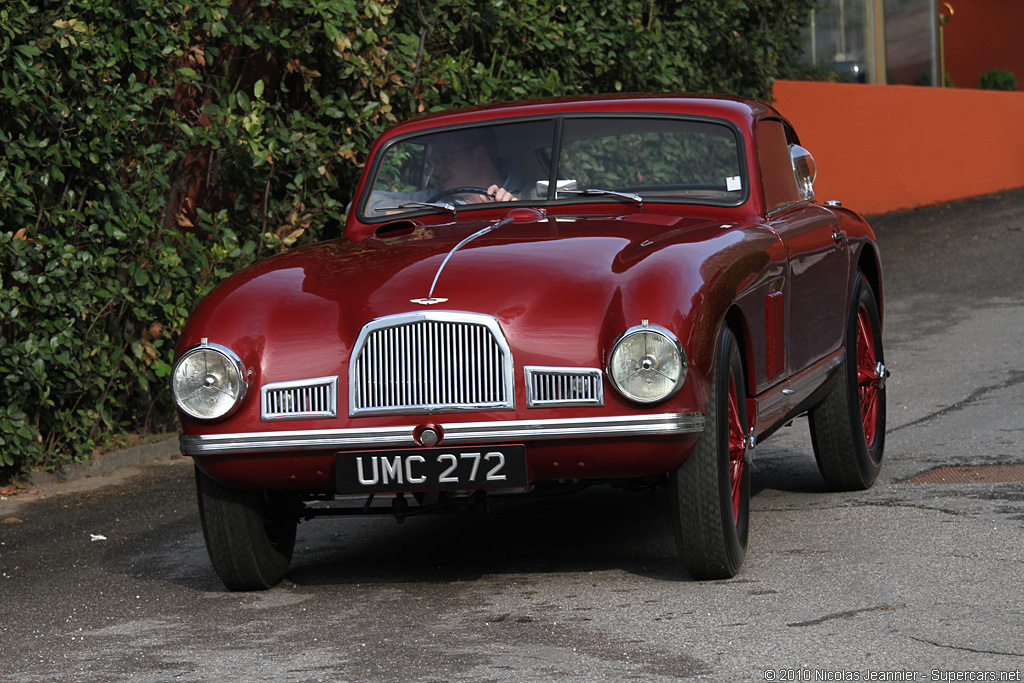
<point x="741" y="111"/>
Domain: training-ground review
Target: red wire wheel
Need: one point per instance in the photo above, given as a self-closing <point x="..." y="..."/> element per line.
<point x="848" y="426"/>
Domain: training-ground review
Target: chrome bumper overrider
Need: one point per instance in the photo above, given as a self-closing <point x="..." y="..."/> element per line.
<point x="456" y="432"/>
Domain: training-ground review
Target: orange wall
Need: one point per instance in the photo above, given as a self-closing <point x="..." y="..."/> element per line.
<point x="881" y="148"/>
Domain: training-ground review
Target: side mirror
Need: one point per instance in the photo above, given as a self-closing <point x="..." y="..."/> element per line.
<point x="804" y="169"/>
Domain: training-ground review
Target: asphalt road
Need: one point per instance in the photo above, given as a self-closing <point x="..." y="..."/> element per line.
<point x="107" y="579"/>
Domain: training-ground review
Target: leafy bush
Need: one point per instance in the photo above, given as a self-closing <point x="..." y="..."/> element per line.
<point x="153" y="147"/>
<point x="997" y="79"/>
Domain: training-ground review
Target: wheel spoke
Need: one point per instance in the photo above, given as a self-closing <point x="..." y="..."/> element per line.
<point x="736" y="450"/>
<point x="867" y="375"/>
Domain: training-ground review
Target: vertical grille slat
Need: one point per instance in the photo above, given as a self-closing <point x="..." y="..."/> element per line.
<point x="431" y="363"/>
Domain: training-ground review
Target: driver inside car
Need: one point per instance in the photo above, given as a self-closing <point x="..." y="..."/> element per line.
<point x="468" y="160"/>
<point x="466" y="168"/>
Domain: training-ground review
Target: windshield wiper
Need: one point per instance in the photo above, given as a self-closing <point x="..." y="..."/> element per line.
<point x="594" y="191"/>
<point x="447" y="206"/>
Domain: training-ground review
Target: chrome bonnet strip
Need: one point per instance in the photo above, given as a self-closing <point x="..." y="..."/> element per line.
<point x="459" y="432"/>
<point x="478" y="233"/>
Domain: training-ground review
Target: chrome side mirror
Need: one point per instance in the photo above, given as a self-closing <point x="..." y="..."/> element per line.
<point x="804" y="169"/>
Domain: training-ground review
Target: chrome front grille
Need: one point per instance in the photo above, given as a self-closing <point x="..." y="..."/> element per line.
<point x="430" y="362"/>
<point x="549" y="387"/>
<point x="300" y="399"/>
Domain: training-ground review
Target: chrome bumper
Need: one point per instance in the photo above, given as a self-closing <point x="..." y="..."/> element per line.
<point x="454" y="433"/>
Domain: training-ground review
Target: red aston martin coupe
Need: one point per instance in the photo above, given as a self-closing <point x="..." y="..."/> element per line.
<point x="533" y="295"/>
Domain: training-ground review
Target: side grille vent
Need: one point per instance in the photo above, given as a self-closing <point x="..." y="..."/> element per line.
<point x="547" y="387"/>
<point x="301" y="399"/>
<point x="430" y="362"/>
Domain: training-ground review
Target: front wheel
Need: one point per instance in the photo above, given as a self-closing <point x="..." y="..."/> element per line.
<point x="848" y="426"/>
<point x="710" y="491"/>
<point x="249" y="535"/>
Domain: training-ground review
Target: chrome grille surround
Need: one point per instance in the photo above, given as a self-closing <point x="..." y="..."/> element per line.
<point x="299" y="399"/>
<point x="553" y="387"/>
<point x="430" y="362"/>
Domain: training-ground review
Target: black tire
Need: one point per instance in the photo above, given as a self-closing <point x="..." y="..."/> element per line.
<point x="848" y="426"/>
<point x="710" y="491"/>
<point x="250" y="535"/>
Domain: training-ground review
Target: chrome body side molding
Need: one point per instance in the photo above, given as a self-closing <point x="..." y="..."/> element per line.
<point x="778" y="401"/>
<point x="457" y="432"/>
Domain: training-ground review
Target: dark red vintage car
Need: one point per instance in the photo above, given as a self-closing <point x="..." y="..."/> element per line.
<point x="534" y="296"/>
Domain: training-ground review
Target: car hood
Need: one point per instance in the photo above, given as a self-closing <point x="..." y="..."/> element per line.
<point x="552" y="283"/>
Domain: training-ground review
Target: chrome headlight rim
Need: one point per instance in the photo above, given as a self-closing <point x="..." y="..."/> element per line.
<point x="677" y="346"/>
<point x="234" y="362"/>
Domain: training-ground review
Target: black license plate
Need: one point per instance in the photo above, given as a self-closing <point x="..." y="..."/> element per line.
<point x="431" y="469"/>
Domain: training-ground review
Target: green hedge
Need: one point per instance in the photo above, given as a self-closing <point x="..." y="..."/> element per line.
<point x="997" y="79"/>
<point x="152" y="147"/>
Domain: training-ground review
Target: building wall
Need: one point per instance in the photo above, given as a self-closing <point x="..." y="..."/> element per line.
<point x="984" y="34"/>
<point x="881" y="148"/>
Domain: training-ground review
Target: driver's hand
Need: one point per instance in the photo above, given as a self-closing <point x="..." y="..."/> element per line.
<point x="500" y="194"/>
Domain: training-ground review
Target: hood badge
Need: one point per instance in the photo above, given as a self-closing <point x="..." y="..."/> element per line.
<point x="430" y="300"/>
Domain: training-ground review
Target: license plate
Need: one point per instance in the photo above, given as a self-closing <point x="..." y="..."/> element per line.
<point x="431" y="469"/>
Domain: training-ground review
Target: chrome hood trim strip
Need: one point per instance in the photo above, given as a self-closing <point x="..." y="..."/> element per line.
<point x="478" y="233"/>
<point x="458" y="432"/>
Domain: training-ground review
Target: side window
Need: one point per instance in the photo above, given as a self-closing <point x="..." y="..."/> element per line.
<point x="780" y="187"/>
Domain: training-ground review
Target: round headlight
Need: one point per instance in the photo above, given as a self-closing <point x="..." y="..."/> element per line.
<point x="208" y="381"/>
<point x="647" y="364"/>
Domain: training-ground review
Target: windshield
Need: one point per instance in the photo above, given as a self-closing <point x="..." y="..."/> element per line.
<point x="611" y="158"/>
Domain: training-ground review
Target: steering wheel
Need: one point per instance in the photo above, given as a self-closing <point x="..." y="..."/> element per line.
<point x="443" y="194"/>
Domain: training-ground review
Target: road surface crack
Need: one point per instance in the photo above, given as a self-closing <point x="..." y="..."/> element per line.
<point x="839" y="615"/>
<point x="966" y="649"/>
<point x="1016" y="377"/>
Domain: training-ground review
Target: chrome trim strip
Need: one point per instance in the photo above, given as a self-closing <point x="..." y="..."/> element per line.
<point x="458" y="432"/>
<point x="799" y="387"/>
<point x="478" y="233"/>
<point x="543" y="381"/>
<point x="536" y="430"/>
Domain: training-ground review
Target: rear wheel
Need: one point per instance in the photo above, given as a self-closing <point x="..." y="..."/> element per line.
<point x="710" y="491"/>
<point x="848" y="426"/>
<point x="249" y="535"/>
